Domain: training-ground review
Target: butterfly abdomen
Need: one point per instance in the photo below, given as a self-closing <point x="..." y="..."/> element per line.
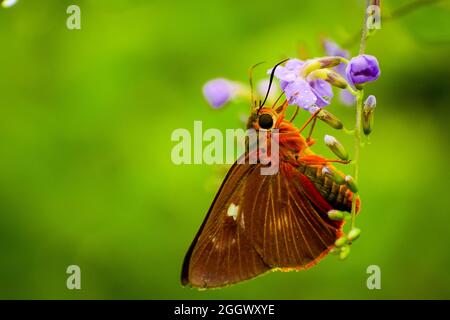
<point x="338" y="196"/>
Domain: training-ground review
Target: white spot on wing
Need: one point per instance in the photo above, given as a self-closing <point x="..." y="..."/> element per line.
<point x="233" y="211"/>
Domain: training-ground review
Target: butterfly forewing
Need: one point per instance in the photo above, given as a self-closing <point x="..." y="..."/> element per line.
<point x="221" y="253"/>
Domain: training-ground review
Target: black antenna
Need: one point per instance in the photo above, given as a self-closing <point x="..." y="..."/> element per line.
<point x="270" y="83"/>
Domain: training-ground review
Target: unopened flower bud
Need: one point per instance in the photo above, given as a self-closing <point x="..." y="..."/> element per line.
<point x="354" y="234"/>
<point x="342" y="241"/>
<point x="329" y="62"/>
<point x="330" y="119"/>
<point x="361" y="69"/>
<point x="319" y="63"/>
<point x="336" y="147"/>
<point x="336" y="215"/>
<point x="351" y="184"/>
<point x="333" y="175"/>
<point x="368" y="114"/>
<point x="335" y="251"/>
<point x="345" y="251"/>
<point x="330" y="76"/>
<point x="336" y="79"/>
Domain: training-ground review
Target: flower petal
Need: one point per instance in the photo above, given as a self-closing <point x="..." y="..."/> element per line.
<point x="283" y="73"/>
<point x="323" y="92"/>
<point x="299" y="92"/>
<point x="288" y="72"/>
<point x="294" y="64"/>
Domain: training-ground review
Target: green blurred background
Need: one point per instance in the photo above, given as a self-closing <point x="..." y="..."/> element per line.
<point x="86" y="118"/>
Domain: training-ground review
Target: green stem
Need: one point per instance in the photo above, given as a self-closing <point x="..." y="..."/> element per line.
<point x="357" y="134"/>
<point x="359" y="107"/>
<point x="362" y="46"/>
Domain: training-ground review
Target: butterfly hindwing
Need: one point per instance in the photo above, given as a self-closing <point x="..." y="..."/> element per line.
<point x="284" y="225"/>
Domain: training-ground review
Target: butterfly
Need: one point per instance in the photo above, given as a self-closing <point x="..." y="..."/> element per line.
<point x="260" y="223"/>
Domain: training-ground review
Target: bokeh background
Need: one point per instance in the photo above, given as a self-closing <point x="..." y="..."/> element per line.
<point x="86" y="176"/>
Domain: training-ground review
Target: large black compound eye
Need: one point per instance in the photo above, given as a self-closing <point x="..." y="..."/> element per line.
<point x="265" y="121"/>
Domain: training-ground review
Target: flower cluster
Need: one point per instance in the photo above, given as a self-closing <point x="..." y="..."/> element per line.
<point x="361" y="69"/>
<point x="307" y="84"/>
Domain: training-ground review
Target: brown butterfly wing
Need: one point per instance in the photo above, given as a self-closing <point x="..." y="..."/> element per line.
<point x="221" y="253"/>
<point x="281" y="223"/>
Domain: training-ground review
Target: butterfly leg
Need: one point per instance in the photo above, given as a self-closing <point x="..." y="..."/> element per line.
<point x="313" y="159"/>
<point x="309" y="140"/>
<point x="338" y="161"/>
<point x="313" y="116"/>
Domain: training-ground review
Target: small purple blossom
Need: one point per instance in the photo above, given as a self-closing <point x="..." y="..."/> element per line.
<point x="219" y="91"/>
<point x="299" y="91"/>
<point x="363" y="68"/>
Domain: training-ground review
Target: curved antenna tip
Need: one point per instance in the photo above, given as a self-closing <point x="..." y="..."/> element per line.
<point x="272" y="74"/>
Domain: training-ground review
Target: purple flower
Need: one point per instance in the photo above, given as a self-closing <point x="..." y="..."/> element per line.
<point x="299" y="91"/>
<point x="363" y="68"/>
<point x="219" y="91"/>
